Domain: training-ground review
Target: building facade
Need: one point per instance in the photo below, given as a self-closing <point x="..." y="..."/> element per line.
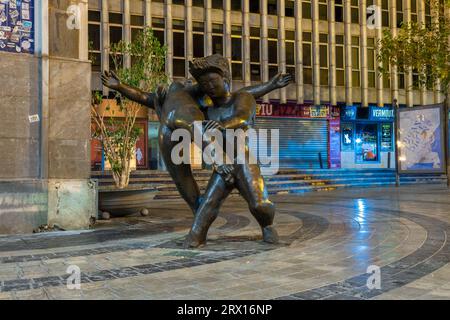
<point x="44" y="129"/>
<point x="330" y="47"/>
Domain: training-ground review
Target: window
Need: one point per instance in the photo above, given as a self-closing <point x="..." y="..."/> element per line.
<point x="115" y="28"/>
<point x="115" y="36"/>
<point x="306" y="9"/>
<point x="366" y="142"/>
<point x="339" y="11"/>
<point x="115" y="18"/>
<point x="179" y="60"/>
<point x="415" y="76"/>
<point x="236" y="5"/>
<point x="273" y="52"/>
<point x="290" y="52"/>
<point x="401" y="77"/>
<point x="236" y="52"/>
<point x="198" y="39"/>
<point x="371" y="58"/>
<point x="340" y="66"/>
<point x="414" y="10"/>
<point x="307" y="61"/>
<point x="137" y="24"/>
<point x="94" y="40"/>
<point x="255" y="59"/>
<point x="355" y="11"/>
<point x="323" y="59"/>
<point x="196" y="3"/>
<point x="158" y="25"/>
<point x="217" y="38"/>
<point x="217" y="4"/>
<point x="254" y="6"/>
<point x="356" y="81"/>
<point x="387" y="80"/>
<point x="289" y="8"/>
<point x="399" y="13"/>
<point x="385" y="13"/>
<point x="427" y="14"/>
<point x="323" y="8"/>
<point x="272" y="7"/>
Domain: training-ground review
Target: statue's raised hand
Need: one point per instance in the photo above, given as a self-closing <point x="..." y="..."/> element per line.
<point x="110" y="80"/>
<point x="281" y="80"/>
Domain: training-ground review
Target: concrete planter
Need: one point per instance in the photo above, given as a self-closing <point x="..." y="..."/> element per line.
<point x="113" y="202"/>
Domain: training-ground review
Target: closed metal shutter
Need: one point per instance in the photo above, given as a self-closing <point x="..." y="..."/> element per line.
<point x="301" y="141"/>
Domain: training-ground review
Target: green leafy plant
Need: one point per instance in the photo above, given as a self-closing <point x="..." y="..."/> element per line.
<point x="119" y="135"/>
<point x="420" y="47"/>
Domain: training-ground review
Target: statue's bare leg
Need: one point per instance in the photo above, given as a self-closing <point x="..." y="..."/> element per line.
<point x="181" y="174"/>
<point x="250" y="184"/>
<point x="216" y="192"/>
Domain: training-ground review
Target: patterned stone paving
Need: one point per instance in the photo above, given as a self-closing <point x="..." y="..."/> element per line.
<point x="328" y="241"/>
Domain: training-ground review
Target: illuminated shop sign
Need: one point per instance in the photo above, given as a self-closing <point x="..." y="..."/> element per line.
<point x="348" y="113"/>
<point x="296" y="111"/>
<point x="381" y="114"/>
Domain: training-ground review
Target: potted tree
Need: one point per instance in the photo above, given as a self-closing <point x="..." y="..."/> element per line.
<point x="114" y="124"/>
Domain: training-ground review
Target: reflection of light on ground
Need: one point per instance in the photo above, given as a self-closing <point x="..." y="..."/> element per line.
<point x="361" y="210"/>
<point x="360" y="248"/>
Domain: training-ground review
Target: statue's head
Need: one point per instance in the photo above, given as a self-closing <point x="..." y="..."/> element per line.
<point x="212" y="74"/>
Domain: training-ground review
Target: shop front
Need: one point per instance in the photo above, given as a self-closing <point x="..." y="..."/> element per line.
<point x="367" y="137"/>
<point x="143" y="157"/>
<point x="304" y="135"/>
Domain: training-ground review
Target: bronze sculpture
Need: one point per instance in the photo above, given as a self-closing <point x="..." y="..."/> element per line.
<point x="178" y="107"/>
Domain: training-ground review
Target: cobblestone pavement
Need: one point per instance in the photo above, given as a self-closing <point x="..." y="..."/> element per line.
<point x="329" y="240"/>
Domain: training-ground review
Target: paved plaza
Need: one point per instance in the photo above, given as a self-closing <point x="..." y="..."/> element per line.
<point x="328" y="242"/>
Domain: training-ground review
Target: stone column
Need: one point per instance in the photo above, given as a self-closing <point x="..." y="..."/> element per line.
<point x="408" y="71"/>
<point x="348" y="53"/>
<point x="43" y="52"/>
<point x="264" y="45"/>
<point x="332" y="52"/>
<point x="421" y="20"/>
<point x="246" y="41"/>
<point x="363" y="36"/>
<point x="105" y="40"/>
<point x="208" y="28"/>
<point x="435" y="20"/>
<point x="169" y="38"/>
<point x="379" y="36"/>
<point x="394" y="75"/>
<point x="188" y="39"/>
<point x="299" y="51"/>
<point x="227" y="29"/>
<point x="126" y="31"/>
<point x="315" y="51"/>
<point x="281" y="45"/>
<point x="148" y="13"/>
<point x="84" y="33"/>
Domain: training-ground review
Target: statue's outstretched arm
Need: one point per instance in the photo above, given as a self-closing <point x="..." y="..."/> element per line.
<point x="279" y="81"/>
<point x="110" y="80"/>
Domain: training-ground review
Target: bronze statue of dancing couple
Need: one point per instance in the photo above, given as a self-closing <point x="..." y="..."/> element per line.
<point x="178" y="107"/>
